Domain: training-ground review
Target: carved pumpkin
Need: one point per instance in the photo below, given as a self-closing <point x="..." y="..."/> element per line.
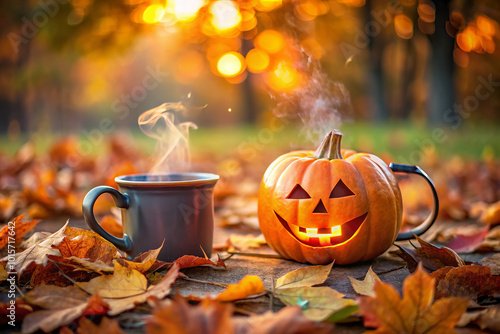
<point x="329" y="205"/>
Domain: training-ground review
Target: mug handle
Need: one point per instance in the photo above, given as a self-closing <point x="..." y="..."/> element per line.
<point x="422" y="228"/>
<point x="121" y="201"/>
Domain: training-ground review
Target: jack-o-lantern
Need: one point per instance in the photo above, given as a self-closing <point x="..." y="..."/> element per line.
<point x="330" y="205"/>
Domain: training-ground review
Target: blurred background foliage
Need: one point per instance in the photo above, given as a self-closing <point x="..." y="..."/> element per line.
<point x="67" y="65"/>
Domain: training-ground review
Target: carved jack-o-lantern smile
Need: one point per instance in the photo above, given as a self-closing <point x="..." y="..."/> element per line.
<point x="325" y="236"/>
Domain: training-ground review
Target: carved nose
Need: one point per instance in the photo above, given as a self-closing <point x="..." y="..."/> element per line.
<point x="320" y="208"/>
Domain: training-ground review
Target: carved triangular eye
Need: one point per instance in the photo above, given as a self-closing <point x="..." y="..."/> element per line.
<point x="298" y="193"/>
<point x="341" y="190"/>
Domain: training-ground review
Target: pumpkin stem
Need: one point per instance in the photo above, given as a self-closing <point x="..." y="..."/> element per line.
<point x="330" y="146"/>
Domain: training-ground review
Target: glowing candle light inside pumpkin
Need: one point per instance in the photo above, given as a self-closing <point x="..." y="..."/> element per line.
<point x="335" y="231"/>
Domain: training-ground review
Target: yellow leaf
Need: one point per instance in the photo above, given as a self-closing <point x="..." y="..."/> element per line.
<point x="415" y="313"/>
<point x="128" y="287"/>
<point x="124" y="282"/>
<point x="302" y="277"/>
<point x="318" y="303"/>
<point x="147" y="260"/>
<point x="365" y="287"/>
<point x="248" y="286"/>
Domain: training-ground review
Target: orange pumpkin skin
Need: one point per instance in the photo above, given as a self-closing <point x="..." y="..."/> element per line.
<point x="373" y="203"/>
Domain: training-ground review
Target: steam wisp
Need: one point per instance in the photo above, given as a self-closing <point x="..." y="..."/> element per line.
<point x="172" y="147"/>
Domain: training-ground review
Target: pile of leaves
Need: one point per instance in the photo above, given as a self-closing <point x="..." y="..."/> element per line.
<point x="74" y="280"/>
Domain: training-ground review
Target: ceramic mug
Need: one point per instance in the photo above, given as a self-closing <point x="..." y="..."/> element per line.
<point x="174" y="209"/>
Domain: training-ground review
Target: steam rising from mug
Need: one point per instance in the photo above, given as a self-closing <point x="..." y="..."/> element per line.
<point x="172" y="147"/>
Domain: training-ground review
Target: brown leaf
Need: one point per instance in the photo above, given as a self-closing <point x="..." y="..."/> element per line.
<point x="127" y="288"/>
<point x="307" y="276"/>
<point x="493" y="262"/>
<point x="466" y="281"/>
<point x="60" y="307"/>
<point x="190" y="261"/>
<point x="486" y="318"/>
<point x="78" y="243"/>
<point x="106" y="326"/>
<point x="431" y="256"/>
<point x="175" y="317"/>
<point x="16" y="229"/>
<point x="248" y="286"/>
<point x="416" y="312"/>
<point x="39" y="253"/>
<point x="365" y="287"/>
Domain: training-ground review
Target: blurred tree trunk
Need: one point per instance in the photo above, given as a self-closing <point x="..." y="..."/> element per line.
<point x="442" y="66"/>
<point x="376" y="78"/>
<point x="249" y="106"/>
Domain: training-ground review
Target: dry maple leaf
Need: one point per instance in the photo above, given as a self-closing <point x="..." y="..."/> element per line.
<point x="78" y="243"/>
<point x="127" y="287"/>
<point x="248" y="286"/>
<point x="466" y="281"/>
<point x="176" y="317"/>
<point x="365" y="287"/>
<point x="16" y="229"/>
<point x="190" y="261"/>
<point x="38" y="253"/>
<point x="144" y="262"/>
<point x="60" y="307"/>
<point x="106" y="326"/>
<point x="416" y="313"/>
<point x="432" y="257"/>
<point x="307" y="276"/>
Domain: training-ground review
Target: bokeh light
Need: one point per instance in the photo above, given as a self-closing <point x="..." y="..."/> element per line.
<point x="270" y="41"/>
<point x="153" y="14"/>
<point x="185" y="10"/>
<point x="268" y="5"/>
<point x="225" y="15"/>
<point x="403" y="26"/>
<point x="257" y="60"/>
<point x="467" y="40"/>
<point x="284" y="78"/>
<point x="231" y="64"/>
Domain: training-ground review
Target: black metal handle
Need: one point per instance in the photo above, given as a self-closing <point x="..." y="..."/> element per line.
<point x="121" y="201"/>
<point x="422" y="228"/>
